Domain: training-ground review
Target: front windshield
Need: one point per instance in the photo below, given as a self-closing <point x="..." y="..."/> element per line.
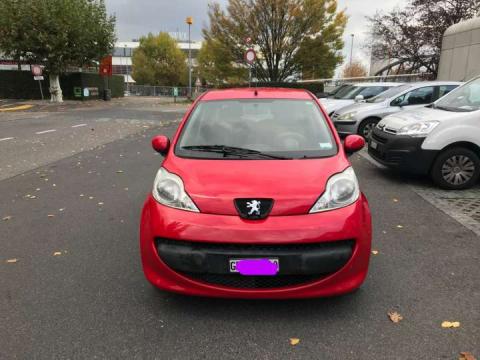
<point x="273" y="127"/>
<point x="389" y="93"/>
<point x="366" y="91"/>
<point x="465" y="98"/>
<point x="342" y="92"/>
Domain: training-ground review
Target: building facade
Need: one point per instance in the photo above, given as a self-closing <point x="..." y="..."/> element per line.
<point x="123" y="51"/>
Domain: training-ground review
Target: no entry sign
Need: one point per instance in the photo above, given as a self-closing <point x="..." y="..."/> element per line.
<point x="37" y="70"/>
<point x="250" y="56"/>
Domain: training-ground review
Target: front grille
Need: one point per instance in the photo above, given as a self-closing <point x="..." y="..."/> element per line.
<point x="390" y="130"/>
<point x="253" y="282"/>
<point x="379" y="139"/>
<point x="208" y="262"/>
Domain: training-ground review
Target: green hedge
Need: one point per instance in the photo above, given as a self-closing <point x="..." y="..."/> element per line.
<point x="313" y="87"/>
<point x="21" y="85"/>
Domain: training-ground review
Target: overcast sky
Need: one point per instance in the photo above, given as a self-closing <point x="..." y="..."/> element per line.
<point x="138" y="17"/>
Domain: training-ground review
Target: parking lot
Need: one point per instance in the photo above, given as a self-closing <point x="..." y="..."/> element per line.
<point x="72" y="184"/>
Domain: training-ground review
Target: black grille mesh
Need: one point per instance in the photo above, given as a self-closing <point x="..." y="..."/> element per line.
<point x="253" y="282"/>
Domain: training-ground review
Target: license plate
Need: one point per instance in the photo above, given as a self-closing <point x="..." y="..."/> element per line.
<point x="233" y="264"/>
<point x="373" y="144"/>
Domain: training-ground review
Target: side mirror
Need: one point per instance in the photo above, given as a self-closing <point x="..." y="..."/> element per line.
<point x="353" y="143"/>
<point x="161" y="144"/>
<point x="359" y="98"/>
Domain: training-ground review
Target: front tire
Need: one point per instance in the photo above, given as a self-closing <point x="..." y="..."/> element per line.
<point x="366" y="127"/>
<point x="456" y="169"/>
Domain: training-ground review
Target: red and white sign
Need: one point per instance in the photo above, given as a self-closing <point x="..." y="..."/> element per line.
<point x="250" y="56"/>
<point x="37" y="70"/>
<point x="106" y="66"/>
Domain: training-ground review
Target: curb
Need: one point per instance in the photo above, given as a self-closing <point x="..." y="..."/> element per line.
<point x="16" y="108"/>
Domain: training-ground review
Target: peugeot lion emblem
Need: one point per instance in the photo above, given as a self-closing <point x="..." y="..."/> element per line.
<point x="254" y="207"/>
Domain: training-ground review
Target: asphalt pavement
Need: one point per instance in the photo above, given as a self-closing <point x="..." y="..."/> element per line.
<point x="71" y="284"/>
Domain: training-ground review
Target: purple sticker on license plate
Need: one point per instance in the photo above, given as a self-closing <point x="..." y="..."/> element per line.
<point x="255" y="267"/>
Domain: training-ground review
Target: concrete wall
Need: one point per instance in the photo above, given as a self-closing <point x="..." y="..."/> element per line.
<point x="460" y="58"/>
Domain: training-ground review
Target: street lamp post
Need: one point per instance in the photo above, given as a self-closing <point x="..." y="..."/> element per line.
<point x="126" y="64"/>
<point x="351" y="50"/>
<point x="189" y="21"/>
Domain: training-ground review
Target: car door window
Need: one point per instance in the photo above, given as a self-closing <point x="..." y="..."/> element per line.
<point x="421" y="96"/>
<point x="372" y="91"/>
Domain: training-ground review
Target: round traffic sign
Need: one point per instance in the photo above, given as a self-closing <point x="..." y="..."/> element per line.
<point x="37" y="70"/>
<point x="250" y="56"/>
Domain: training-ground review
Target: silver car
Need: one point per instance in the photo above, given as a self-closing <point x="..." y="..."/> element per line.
<point x="361" y="118"/>
<point x="355" y="93"/>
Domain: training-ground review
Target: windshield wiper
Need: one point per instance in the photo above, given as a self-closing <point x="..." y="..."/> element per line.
<point x="452" y="109"/>
<point x="232" y="151"/>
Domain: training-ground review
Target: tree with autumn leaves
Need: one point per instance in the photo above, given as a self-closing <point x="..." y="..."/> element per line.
<point x="291" y="37"/>
<point x="413" y="34"/>
<point x="56" y="34"/>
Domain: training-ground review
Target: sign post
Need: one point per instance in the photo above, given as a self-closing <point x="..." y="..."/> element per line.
<point x="37" y="75"/>
<point x="175" y="94"/>
<point x="106" y="71"/>
<point x="250" y="57"/>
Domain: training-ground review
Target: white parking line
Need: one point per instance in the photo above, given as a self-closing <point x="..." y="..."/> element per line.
<point x="79" y="125"/>
<point x="46" y="131"/>
<point x="4" y="139"/>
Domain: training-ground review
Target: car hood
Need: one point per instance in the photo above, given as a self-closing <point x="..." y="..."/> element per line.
<point x="294" y="185"/>
<point x="335" y="104"/>
<point x="399" y="120"/>
<point x="361" y="107"/>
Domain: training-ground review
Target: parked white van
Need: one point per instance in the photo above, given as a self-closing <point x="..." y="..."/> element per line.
<point x="442" y="139"/>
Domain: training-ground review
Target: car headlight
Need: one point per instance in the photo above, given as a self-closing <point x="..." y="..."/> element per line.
<point x="347" y="116"/>
<point x="342" y="190"/>
<point x="168" y="190"/>
<point x="418" y="129"/>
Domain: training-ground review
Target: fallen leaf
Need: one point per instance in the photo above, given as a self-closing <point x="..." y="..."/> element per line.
<point x="465" y="355"/>
<point x="395" y="317"/>
<point x="6" y="218"/>
<point x="12" y="261"/>
<point x="450" y="324"/>
<point x="57" y="253"/>
<point x="294" y="341"/>
<point x="375" y="252"/>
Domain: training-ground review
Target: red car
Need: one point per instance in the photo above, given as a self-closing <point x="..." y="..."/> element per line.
<point x="256" y="198"/>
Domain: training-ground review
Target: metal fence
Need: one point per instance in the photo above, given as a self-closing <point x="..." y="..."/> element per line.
<point x="402" y="78"/>
<point x="165" y="91"/>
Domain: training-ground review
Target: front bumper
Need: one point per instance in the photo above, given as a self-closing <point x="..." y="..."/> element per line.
<point x="321" y="254"/>
<point x="404" y="153"/>
<point x="349" y="127"/>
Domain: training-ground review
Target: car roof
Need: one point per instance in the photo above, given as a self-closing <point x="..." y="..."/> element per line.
<point x="434" y="83"/>
<point x="367" y="84"/>
<point x="257" y="93"/>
